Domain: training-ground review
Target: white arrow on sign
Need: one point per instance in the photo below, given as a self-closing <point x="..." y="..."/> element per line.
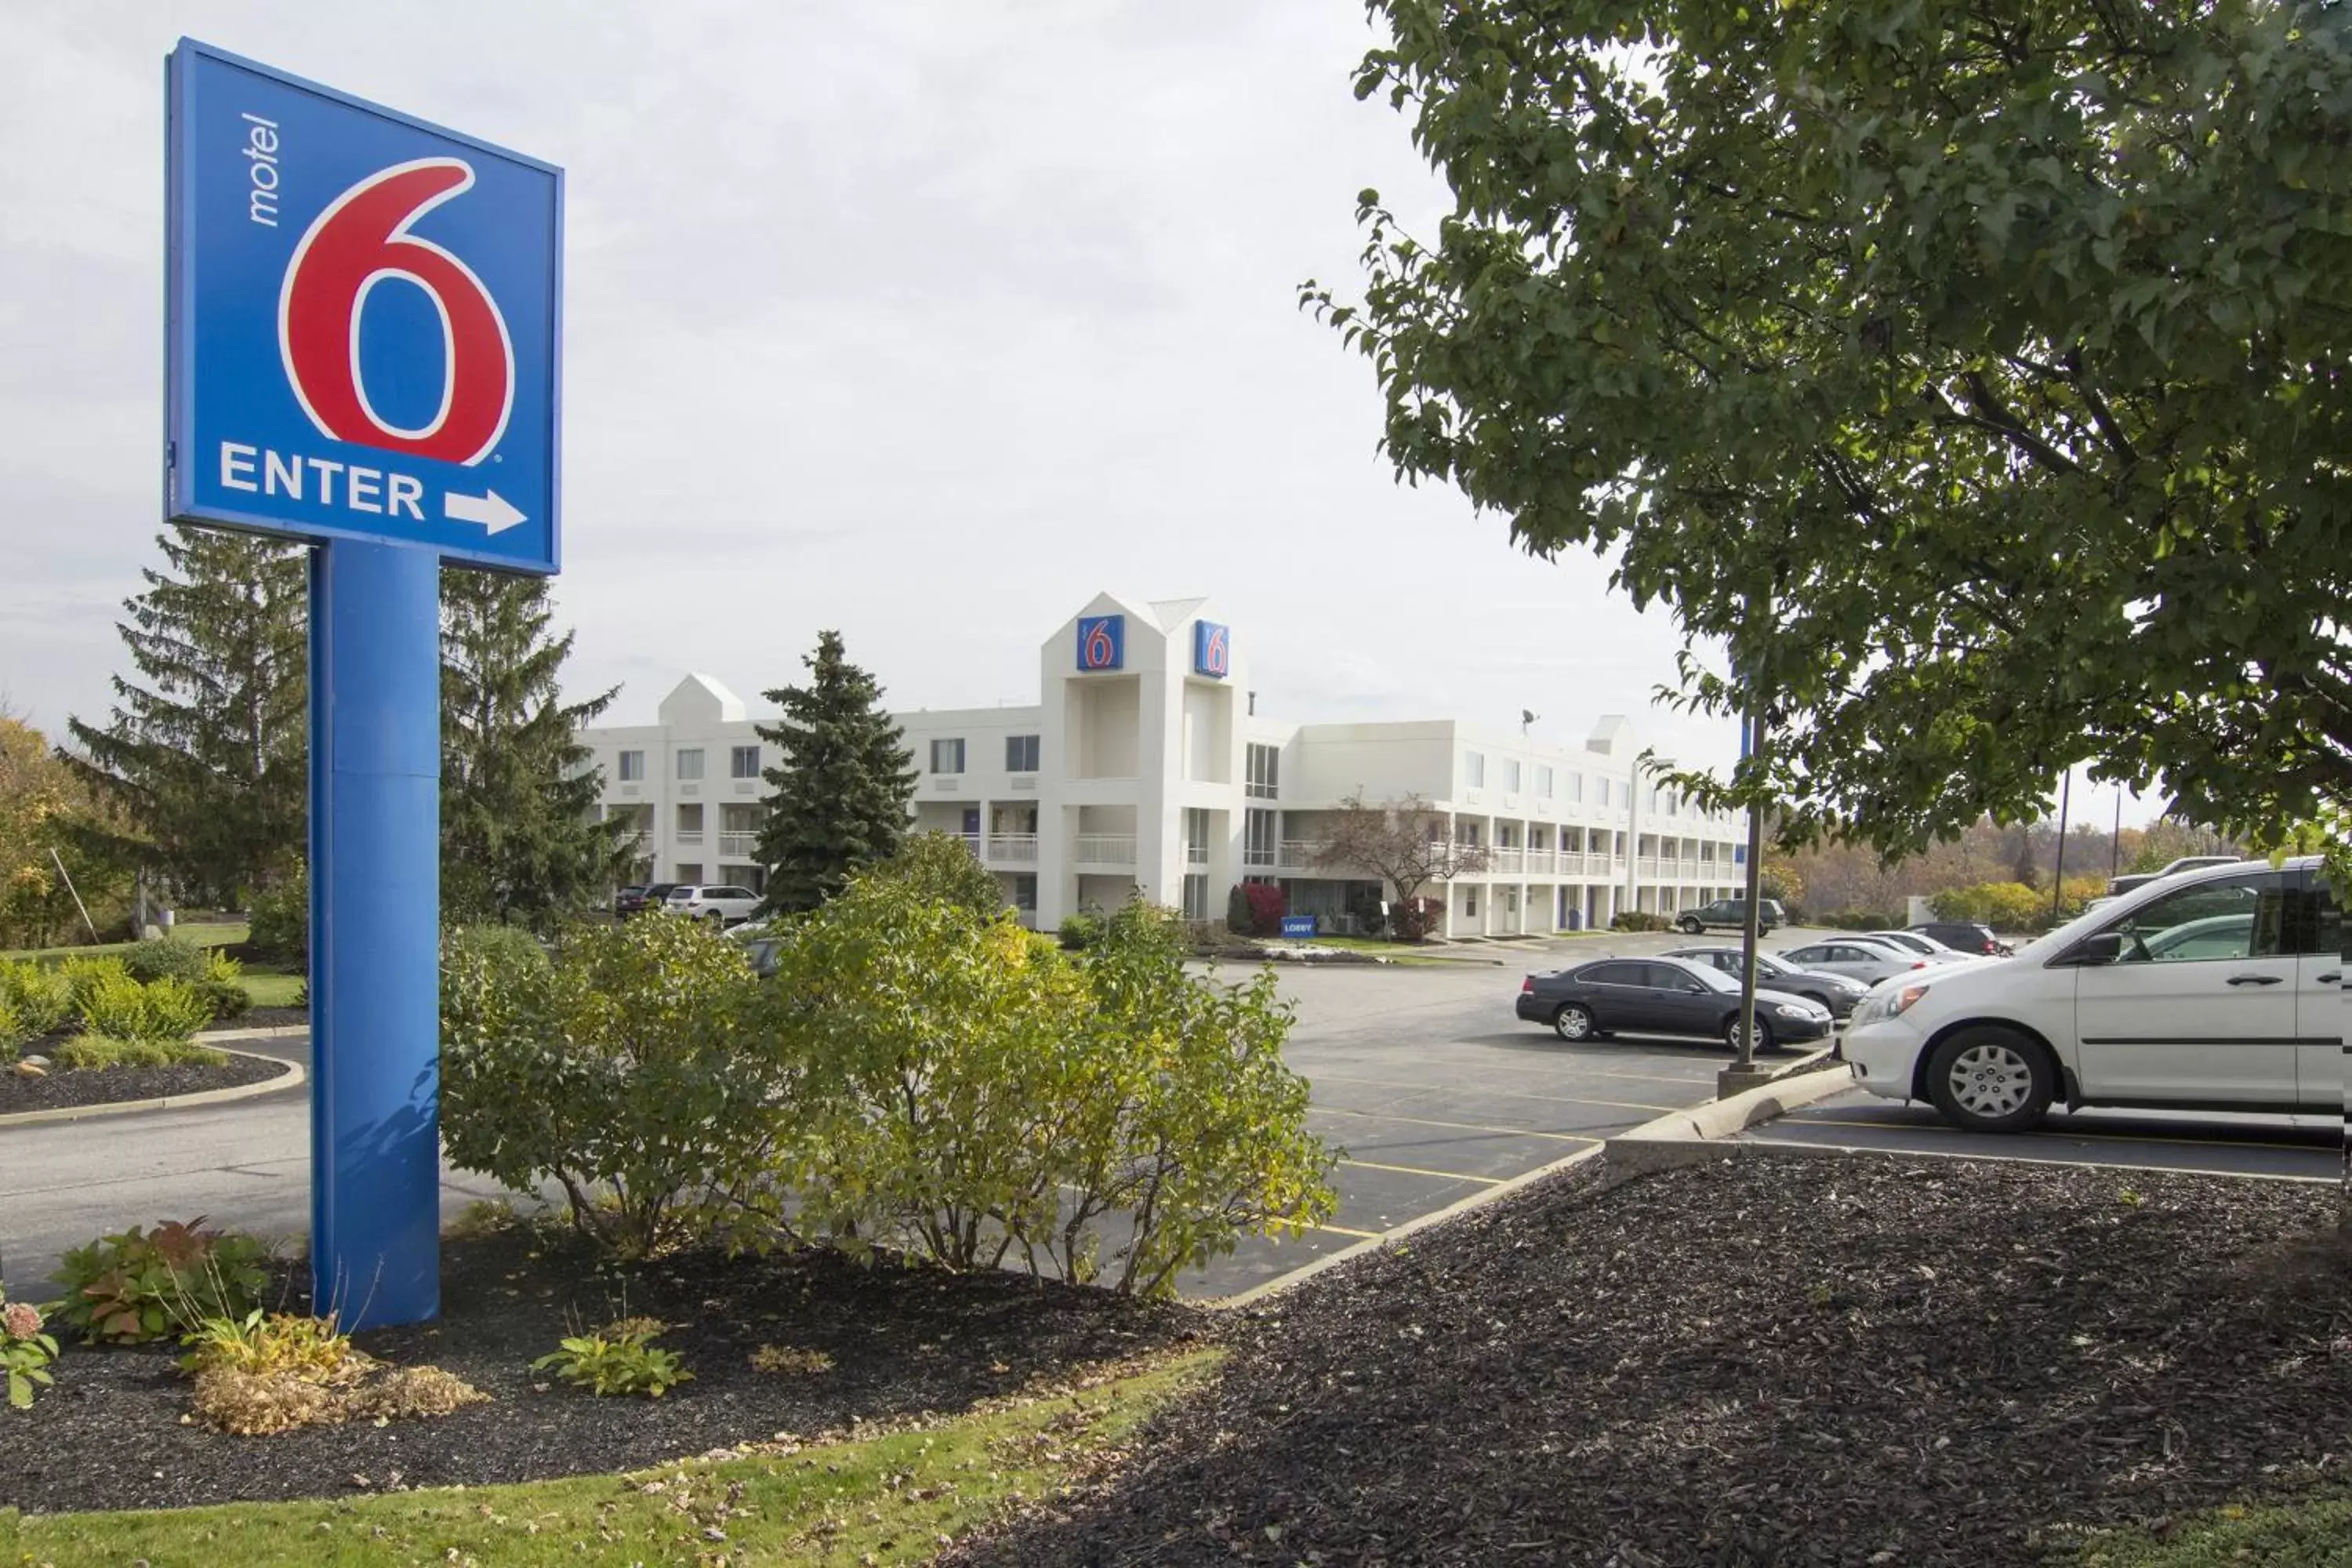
<point x="490" y="509"/>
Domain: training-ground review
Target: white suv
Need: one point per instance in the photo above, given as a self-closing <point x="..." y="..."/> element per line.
<point x="2218" y="989"/>
<point x="722" y="906"/>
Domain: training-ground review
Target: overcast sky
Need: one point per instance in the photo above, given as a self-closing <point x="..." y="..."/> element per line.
<point x="921" y="321"/>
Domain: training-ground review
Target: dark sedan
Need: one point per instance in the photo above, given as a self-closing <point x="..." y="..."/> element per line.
<point x="1663" y="996"/>
<point x="1834" y="992"/>
<point x="638" y="901"/>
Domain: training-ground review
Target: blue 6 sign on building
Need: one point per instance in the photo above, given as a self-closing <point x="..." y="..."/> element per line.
<point x="1213" y="650"/>
<point x="1102" y="642"/>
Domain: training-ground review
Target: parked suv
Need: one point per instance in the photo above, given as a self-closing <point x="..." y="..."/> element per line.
<point x="1730" y="914"/>
<point x="1961" y="936"/>
<point x="638" y="901"/>
<point x="722" y="906"/>
<point x="2218" y="989"/>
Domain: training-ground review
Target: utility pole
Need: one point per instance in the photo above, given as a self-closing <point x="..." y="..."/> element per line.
<point x="2116" y="844"/>
<point x="2058" y="874"/>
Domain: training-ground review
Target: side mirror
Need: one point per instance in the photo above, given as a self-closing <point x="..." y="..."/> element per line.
<point x="2092" y="951"/>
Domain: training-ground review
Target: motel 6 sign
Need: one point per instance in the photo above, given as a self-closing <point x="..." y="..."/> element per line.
<point x="363" y="322"/>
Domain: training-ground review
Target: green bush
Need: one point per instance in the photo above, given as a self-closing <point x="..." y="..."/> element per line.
<point x="1081" y="931"/>
<point x="1640" y="920"/>
<point x="973" y="1099"/>
<point x="280" y="924"/>
<point x="81" y="976"/>
<point x="941" y="866"/>
<point x="142" y="1286"/>
<point x="96" y="1052"/>
<point x="1411" y="920"/>
<point x="618" y="1360"/>
<point x="1238" y="918"/>
<point x="168" y="958"/>
<point x="617" y="1070"/>
<point x="12" y="1033"/>
<point x="38" y="996"/>
<point x="116" y="1005"/>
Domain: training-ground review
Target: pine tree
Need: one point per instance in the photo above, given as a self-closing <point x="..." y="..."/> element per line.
<point x="520" y="842"/>
<point x="840" y="800"/>
<point x="209" y="756"/>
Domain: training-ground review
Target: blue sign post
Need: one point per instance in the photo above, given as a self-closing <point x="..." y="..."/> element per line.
<point x="362" y="348"/>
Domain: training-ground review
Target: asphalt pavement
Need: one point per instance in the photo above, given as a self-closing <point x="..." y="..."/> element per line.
<point x="1421" y="1073"/>
<point x="2291" y="1148"/>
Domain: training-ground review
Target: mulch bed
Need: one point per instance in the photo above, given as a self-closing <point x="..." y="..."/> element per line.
<point x="904" y="1340"/>
<point x="104" y="1086"/>
<point x="271" y="1019"/>
<point x="1767" y="1360"/>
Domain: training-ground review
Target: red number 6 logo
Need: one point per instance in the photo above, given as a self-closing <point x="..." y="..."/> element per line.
<point x="361" y="239"/>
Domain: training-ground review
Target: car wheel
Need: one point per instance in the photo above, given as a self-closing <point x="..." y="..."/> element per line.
<point x="1689" y="925"/>
<point x="1763" y="1033"/>
<point x="1573" y="1022"/>
<point x="1990" y="1080"/>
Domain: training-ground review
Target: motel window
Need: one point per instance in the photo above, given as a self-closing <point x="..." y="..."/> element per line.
<point x="1510" y="775"/>
<point x="1263" y="771"/>
<point x="633" y="767"/>
<point x="1020" y="753"/>
<point x="689" y="764"/>
<point x="1543" y="783"/>
<point x="743" y="763"/>
<point x="947" y="756"/>
<point x="1474" y="769"/>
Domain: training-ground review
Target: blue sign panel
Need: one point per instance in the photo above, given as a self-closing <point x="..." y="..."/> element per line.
<point x="1102" y="642"/>
<point x="1298" y="925"/>
<point x="365" y="322"/>
<point x="1213" y="650"/>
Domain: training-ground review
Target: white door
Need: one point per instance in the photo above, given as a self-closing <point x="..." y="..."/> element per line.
<point x="2320" y="999"/>
<point x="2198" y="1007"/>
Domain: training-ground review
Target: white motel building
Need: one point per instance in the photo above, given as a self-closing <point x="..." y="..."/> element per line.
<point x="1144" y="771"/>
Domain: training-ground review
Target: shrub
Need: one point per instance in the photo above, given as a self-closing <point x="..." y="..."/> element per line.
<point x="1639" y="920"/>
<point x="12" y="1033"/>
<point x="940" y="866"/>
<point x="256" y="1375"/>
<point x="168" y="958"/>
<point x="142" y="1286"/>
<point x="1239" y="918"/>
<point x="408" y="1392"/>
<point x="93" y="1053"/>
<point x="276" y="1344"/>
<point x="1081" y="931"/>
<point x="618" y="1360"/>
<point x="38" y="995"/>
<point x="118" y="1006"/>
<point x="26" y="1350"/>
<point x="1266" y="908"/>
<point x="1411" y="920"/>
<point x="81" y="976"/>
<point x="223" y="987"/>
<point x="280" y="924"/>
<point x="617" y="1070"/>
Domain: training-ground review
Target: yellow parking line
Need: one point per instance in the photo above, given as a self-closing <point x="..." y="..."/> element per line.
<point x="1343" y="1230"/>
<point x="1516" y="1094"/>
<point x="1461" y="1126"/>
<point x="1420" y="1171"/>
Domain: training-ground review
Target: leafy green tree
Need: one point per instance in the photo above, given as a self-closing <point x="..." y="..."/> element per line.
<point x="208" y="756"/>
<point x="521" y="838"/>
<point x="840" y="799"/>
<point x="1972" y="372"/>
<point x="52" y="816"/>
<point x="940" y="866"/>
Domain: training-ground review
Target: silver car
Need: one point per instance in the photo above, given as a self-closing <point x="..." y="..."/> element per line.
<point x="1915" y="942"/>
<point x="1855" y="957"/>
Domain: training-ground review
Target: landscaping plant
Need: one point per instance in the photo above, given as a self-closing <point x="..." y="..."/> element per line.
<point x="619" y="1359"/>
<point x="167" y="957"/>
<point x="142" y="1286"/>
<point x="94" y="1052"/>
<point x="222" y="986"/>
<point x="263" y="1374"/>
<point x="26" y="1350"/>
<point x="38" y="995"/>
<point x="616" y="1070"/>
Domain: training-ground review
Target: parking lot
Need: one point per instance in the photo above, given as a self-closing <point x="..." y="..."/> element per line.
<point x="1437" y="1091"/>
<point x="2296" y="1148"/>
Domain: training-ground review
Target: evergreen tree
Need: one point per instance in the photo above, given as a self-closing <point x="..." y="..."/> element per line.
<point x="840" y="800"/>
<point x="209" y="756"/>
<point x="520" y="842"/>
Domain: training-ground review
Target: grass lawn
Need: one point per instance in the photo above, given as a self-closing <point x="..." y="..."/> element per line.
<point x="272" y="987"/>
<point x="217" y="933"/>
<point x="892" y="1499"/>
<point x="2311" y="1532"/>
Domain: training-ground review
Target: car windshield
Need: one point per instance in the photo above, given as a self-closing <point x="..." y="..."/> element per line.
<point x="1706" y="975"/>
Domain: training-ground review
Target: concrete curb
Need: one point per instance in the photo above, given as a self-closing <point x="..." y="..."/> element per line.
<point x="293" y="1074"/>
<point x="270" y="1032"/>
<point x="1816" y="1076"/>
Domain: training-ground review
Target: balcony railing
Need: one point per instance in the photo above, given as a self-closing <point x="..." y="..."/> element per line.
<point x="1196" y="853"/>
<point x="1512" y="858"/>
<point x="689" y="836"/>
<point x="1021" y="847"/>
<point x="1648" y="869"/>
<point x="738" y="843"/>
<point x="1104" y="849"/>
<point x="1540" y="862"/>
<point x="1300" y="854"/>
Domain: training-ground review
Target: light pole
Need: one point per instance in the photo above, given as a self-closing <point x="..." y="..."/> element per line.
<point x="2058" y="874"/>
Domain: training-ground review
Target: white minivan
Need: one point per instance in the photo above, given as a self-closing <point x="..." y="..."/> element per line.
<point x="2218" y="989"/>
